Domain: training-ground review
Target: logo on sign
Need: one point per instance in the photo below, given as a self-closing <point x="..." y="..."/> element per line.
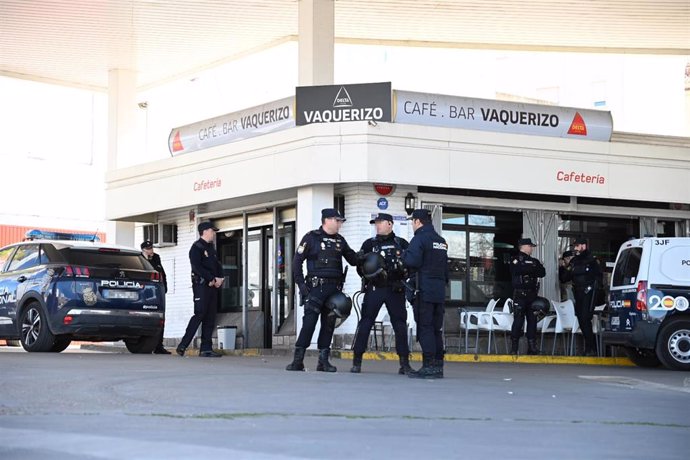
<point x="578" y="127"/>
<point x="342" y="99"/>
<point x="382" y="203"/>
<point x="177" y="143"/>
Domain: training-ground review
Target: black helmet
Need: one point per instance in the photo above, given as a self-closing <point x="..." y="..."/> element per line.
<point x="374" y="266"/>
<point x="339" y="306"/>
<point x="540" y="305"/>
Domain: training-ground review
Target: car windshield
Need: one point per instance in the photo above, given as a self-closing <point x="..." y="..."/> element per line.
<point x="105" y="259"/>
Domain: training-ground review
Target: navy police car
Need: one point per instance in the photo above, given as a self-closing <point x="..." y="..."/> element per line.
<point x="56" y="287"/>
<point x="649" y="302"/>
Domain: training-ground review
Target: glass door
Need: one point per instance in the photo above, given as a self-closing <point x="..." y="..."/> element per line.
<point x="479" y="248"/>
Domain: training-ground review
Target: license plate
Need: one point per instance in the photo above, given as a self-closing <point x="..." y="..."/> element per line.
<point x="120" y="294"/>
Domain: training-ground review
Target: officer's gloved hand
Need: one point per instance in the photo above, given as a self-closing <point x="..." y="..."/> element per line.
<point x="303" y="294"/>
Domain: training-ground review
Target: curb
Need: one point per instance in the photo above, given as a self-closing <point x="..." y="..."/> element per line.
<point x="390" y="356"/>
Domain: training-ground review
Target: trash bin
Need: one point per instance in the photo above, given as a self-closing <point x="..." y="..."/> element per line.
<point x="226" y="337"/>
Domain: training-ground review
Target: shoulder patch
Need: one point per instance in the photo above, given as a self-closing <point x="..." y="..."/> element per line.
<point x="300" y="248"/>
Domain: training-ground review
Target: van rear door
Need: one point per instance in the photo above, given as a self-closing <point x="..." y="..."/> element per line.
<point x="669" y="277"/>
<point x="625" y="289"/>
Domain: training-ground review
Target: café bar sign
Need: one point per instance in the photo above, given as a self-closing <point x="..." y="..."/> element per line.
<point x="339" y="103"/>
<point x="262" y="119"/>
<point x="501" y="116"/>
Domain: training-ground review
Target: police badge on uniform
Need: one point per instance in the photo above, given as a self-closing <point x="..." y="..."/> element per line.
<point x="323" y="245"/>
<point x="515" y="261"/>
<point x="206" y="253"/>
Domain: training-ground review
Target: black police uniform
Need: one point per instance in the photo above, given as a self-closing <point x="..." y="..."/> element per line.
<point x="205" y="268"/>
<point x="585" y="273"/>
<point x="324" y="255"/>
<point x="389" y="290"/>
<point x="525" y="272"/>
<point x="155" y="261"/>
<point x="427" y="259"/>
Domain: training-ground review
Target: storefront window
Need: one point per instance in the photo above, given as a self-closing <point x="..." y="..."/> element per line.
<point x="479" y="247"/>
<point x="604" y="234"/>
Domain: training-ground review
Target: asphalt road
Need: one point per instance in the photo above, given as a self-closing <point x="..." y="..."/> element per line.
<point x="90" y="405"/>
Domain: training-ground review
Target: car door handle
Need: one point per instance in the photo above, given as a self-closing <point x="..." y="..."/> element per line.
<point x="21" y="279"/>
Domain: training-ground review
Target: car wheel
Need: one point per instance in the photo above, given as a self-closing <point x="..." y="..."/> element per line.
<point x="35" y="335"/>
<point x="642" y="357"/>
<point x="145" y="344"/>
<point x="673" y="344"/>
<point x="61" y="342"/>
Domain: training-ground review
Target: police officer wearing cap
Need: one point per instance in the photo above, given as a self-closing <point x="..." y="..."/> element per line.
<point x="155" y="260"/>
<point x="525" y="272"/>
<point x="585" y="273"/>
<point x="207" y="278"/>
<point x="323" y="249"/>
<point x="426" y="258"/>
<point x="387" y="287"/>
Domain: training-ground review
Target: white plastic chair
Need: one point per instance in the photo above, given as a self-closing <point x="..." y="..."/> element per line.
<point x="497" y="321"/>
<point x="596" y="329"/>
<point x="565" y="320"/>
<point x="469" y="321"/>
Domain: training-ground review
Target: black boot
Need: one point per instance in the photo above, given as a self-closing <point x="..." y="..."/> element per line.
<point x="428" y="371"/>
<point x="324" y="365"/>
<point x="356" y="363"/>
<point x="514" y="346"/>
<point x="297" y="363"/>
<point x="438" y="366"/>
<point x="532" y="348"/>
<point x="405" y="368"/>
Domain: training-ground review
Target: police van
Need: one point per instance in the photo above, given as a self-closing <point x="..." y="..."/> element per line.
<point x="56" y="287"/>
<point x="649" y="302"/>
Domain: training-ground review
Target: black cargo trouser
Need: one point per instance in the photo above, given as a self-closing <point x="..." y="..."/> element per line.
<point x="522" y="309"/>
<point x="205" y="307"/>
<point x="314" y="310"/>
<point x="584" y="312"/>
<point x="430" y="329"/>
<point x="374" y="298"/>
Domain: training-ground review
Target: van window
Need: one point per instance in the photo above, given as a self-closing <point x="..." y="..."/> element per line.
<point x="627" y="266"/>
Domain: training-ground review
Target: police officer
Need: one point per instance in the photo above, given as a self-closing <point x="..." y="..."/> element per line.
<point x="155" y="260"/>
<point x="525" y="272"/>
<point x="323" y="249"/>
<point x="387" y="287"/>
<point x="585" y="273"/>
<point x="207" y="278"/>
<point x="427" y="259"/>
<point x="566" y="287"/>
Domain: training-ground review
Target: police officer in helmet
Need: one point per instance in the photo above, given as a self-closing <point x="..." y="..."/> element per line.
<point x="207" y="278"/>
<point x="585" y="273"/>
<point x="383" y="285"/>
<point x="525" y="272"/>
<point x="426" y="258"/>
<point x="323" y="249"/>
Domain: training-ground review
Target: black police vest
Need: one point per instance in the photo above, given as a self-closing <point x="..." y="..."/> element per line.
<point x="329" y="258"/>
<point x="521" y="281"/>
<point x="391" y="251"/>
<point x="585" y="272"/>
